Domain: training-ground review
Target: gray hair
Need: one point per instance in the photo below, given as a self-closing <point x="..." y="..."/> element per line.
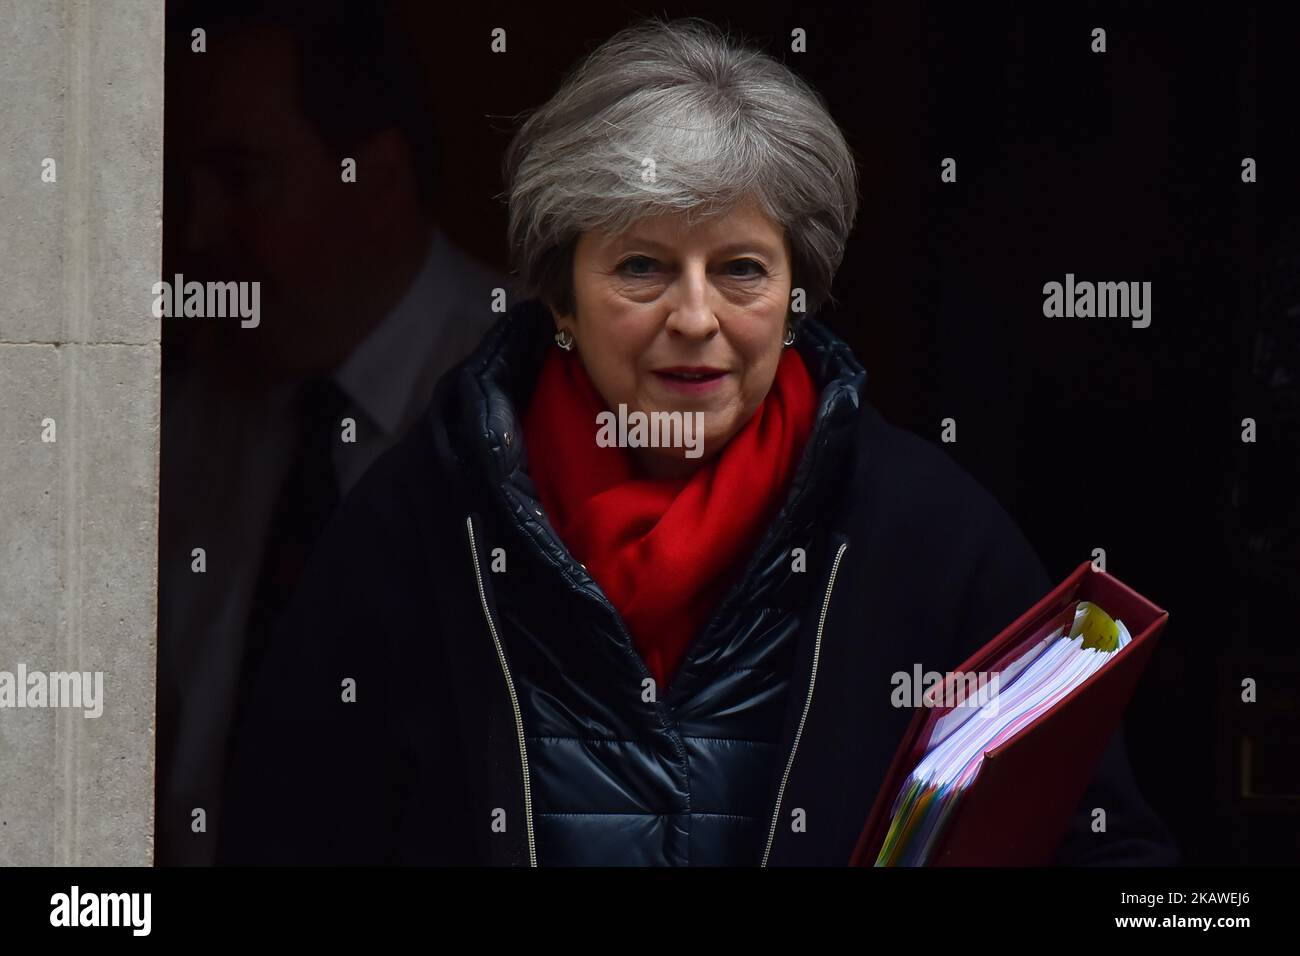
<point x="721" y="122"/>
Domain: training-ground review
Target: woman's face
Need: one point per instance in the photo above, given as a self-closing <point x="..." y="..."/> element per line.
<point x="671" y="318"/>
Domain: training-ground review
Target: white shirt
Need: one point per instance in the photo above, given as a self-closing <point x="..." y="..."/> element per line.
<point x="390" y="376"/>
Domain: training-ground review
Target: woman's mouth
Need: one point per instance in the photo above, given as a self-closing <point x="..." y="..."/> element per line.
<point x="692" y="379"/>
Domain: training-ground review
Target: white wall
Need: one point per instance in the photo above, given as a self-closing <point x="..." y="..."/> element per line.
<point x="81" y="82"/>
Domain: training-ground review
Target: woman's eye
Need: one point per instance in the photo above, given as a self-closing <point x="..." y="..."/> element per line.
<point x="746" y="269"/>
<point x="637" y="266"/>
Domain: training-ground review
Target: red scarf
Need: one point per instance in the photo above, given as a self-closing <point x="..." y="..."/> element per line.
<point x="664" y="550"/>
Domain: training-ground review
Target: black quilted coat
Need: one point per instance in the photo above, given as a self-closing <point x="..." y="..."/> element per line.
<point x="502" y="715"/>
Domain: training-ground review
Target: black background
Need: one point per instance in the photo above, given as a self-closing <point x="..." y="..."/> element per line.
<point x="1119" y="166"/>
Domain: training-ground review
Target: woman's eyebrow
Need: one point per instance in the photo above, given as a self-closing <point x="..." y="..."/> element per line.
<point x="748" y="245"/>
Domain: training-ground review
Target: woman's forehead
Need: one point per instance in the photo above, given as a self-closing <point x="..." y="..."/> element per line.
<point x="741" y="225"/>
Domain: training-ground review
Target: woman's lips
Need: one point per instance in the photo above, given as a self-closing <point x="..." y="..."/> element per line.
<point x="692" y="381"/>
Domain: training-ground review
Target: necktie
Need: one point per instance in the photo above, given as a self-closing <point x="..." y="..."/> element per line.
<point x="303" y="507"/>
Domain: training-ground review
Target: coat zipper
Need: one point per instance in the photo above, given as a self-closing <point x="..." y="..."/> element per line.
<point x="812" y="680"/>
<point x="510" y="686"/>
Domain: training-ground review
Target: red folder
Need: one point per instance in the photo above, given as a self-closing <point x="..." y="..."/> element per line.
<point x="1016" y="811"/>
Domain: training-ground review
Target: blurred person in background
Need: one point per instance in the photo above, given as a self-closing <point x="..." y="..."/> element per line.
<point x="364" y="303"/>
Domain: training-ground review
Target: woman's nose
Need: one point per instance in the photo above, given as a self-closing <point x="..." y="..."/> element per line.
<point x="691" y="309"/>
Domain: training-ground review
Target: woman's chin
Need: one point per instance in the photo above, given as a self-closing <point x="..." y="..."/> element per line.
<point x="671" y="462"/>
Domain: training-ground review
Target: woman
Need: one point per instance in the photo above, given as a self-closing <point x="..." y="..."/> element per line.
<point x="635" y="590"/>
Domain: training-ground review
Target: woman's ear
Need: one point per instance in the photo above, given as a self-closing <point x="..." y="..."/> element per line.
<point x="561" y="319"/>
